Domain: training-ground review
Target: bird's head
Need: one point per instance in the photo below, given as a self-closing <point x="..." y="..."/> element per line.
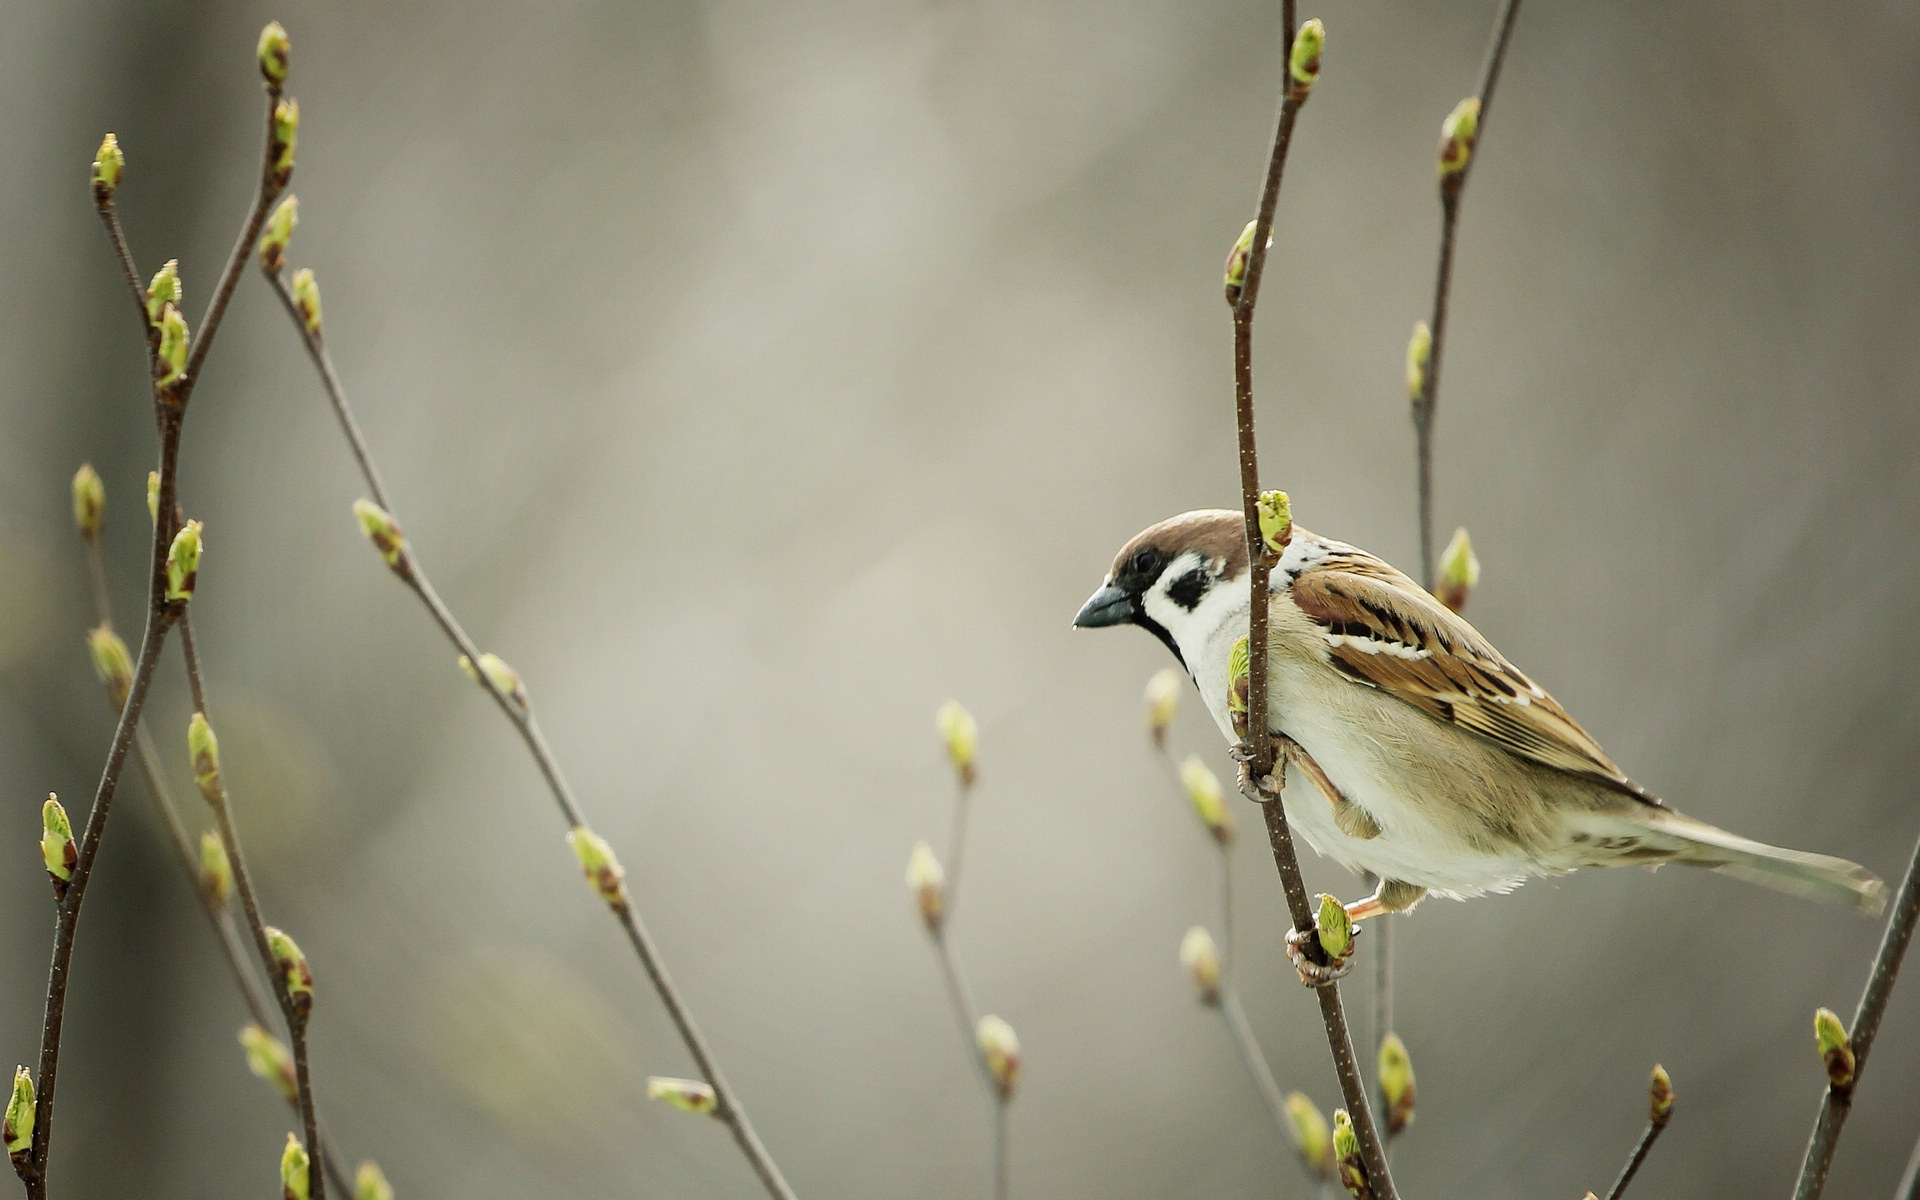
<point x="1163" y="578"/>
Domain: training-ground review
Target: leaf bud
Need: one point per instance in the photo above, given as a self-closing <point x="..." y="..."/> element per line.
<point x="183" y="562"/>
<point x="203" y="750"/>
<point x="1659" y="1096"/>
<point x="370" y="1183"/>
<point x="1304" y="61"/>
<point x="601" y="868"/>
<point x="687" y="1095"/>
<point x="165" y="288"/>
<point x="962" y="738"/>
<point x="111" y="663"/>
<point x="269" y="1060"/>
<point x="1457" y="135"/>
<point x="927" y="880"/>
<point x="384" y="532"/>
<point x="171" y="354"/>
<point x="296" y="1171"/>
<point x="20" y="1117"/>
<point x="1000" y="1050"/>
<point x="1163" y="702"/>
<point x="1201" y="958"/>
<point x="1276" y="521"/>
<point x="1310" y="1135"/>
<point x="1396" y="1082"/>
<point x="274" y="49"/>
<point x="216" y="870"/>
<point x="278" y="233"/>
<point x="56" y="845"/>
<point x="108" y="163"/>
<point x="1458" y="572"/>
<point x="504" y="678"/>
<point x="89" y="501"/>
<point x="1835" y="1049"/>
<point x="1203" y="792"/>
<point x="1335" y="928"/>
<point x="306" y="300"/>
<point x="295" y="973"/>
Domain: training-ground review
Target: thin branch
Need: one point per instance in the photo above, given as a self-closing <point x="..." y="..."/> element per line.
<point x="1909" y="1185"/>
<point x="520" y="714"/>
<point x="1640" y="1151"/>
<point x="1838" y="1102"/>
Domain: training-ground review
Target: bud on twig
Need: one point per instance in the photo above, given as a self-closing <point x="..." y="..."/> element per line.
<point x="269" y="1060"/>
<point x="1346" y="1154"/>
<point x="296" y="1171"/>
<point x="279" y="232"/>
<point x="369" y="1183"/>
<point x="111" y="663"/>
<point x="384" y="532"/>
<point x="927" y="879"/>
<point x="1457" y="135"/>
<point x="687" y="1095"/>
<point x="1396" y="1082"/>
<point x="273" y="54"/>
<point x="1419" y="354"/>
<point x="1335" y="928"/>
<point x="1458" y="572"/>
<point x="216" y="870"/>
<point x="203" y="750"/>
<point x="294" y="971"/>
<point x="504" y="678"/>
<point x="286" y="132"/>
<point x="56" y="845"/>
<point x="1310" y="1135"/>
<point x="1276" y="521"/>
<point x="1304" y="62"/>
<point x="602" y="869"/>
<point x="164" y="289"/>
<point x="1163" y="701"/>
<point x="962" y="737"/>
<point x="171" y="355"/>
<point x="1237" y="659"/>
<point x="1000" y="1050"/>
<point x="19" y="1122"/>
<point x="1203" y="792"/>
<point x="1659" y="1097"/>
<point x="1237" y="259"/>
<point x="153" y="496"/>
<point x="306" y="300"/>
<point x="89" y="501"/>
<point x="1835" y="1050"/>
<point x="1201" y="958"/>
<point x="108" y="163"/>
<point x="183" y="562"/>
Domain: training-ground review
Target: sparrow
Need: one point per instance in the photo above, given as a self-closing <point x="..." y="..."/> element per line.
<point x="1425" y="757"/>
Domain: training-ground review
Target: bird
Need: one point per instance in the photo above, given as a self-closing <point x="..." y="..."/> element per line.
<point x="1424" y="757"/>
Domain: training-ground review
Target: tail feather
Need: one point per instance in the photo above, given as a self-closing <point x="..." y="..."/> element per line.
<point x="1815" y="876"/>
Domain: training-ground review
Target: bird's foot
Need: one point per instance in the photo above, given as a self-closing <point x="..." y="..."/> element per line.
<point x="1304" y="948"/>
<point x="1266" y="788"/>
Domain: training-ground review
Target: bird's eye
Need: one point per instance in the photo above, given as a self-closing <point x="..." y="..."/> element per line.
<point x="1140" y="563"/>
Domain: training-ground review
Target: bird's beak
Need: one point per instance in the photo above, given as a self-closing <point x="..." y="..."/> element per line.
<point x="1108" y="606"/>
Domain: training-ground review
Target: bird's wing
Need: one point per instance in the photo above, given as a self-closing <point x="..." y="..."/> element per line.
<point x="1385" y="631"/>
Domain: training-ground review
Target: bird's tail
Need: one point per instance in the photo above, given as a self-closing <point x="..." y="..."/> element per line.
<point x="1816" y="876"/>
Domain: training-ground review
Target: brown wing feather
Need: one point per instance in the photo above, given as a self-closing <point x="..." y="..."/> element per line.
<point x="1388" y="632"/>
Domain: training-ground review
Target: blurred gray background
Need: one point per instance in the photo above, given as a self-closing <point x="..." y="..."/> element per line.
<point x="755" y="376"/>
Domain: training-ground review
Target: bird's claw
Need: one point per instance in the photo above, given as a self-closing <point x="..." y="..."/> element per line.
<point x="1315" y="974"/>
<point x="1261" y="791"/>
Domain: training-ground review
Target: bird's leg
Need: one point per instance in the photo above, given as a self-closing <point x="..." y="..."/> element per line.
<point x="1267" y="789"/>
<point x="1313" y="974"/>
<point x="1391" y="896"/>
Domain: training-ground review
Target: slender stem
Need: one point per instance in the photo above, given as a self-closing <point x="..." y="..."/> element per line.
<point x="728" y="1108"/>
<point x="1909" y="1185"/>
<point x="1838" y="1102"/>
<point x="1000" y="1149"/>
<point x="957" y="837"/>
<point x="1647" y="1139"/>
<point x="123" y="253"/>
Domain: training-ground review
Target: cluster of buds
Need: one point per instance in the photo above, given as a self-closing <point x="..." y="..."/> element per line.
<point x="1335" y="928"/>
<point x="56" y="845"/>
<point x="1303" y="63"/>
<point x="1237" y="685"/>
<point x="277" y="233"/>
<point x="1457" y="135"/>
<point x="108" y="163"/>
<point x="687" y="1095"/>
<point x="1209" y="804"/>
<point x="1346" y="1156"/>
<point x="216" y="871"/>
<point x="203" y="751"/>
<point x="370" y="1183"/>
<point x="296" y="1171"/>
<point x="1396" y="1083"/>
<point x="927" y="880"/>
<point x="600" y="866"/>
<point x="1419" y="354"/>
<point x="295" y="974"/>
<point x="1237" y="260"/>
<point x="18" y="1130"/>
<point x="1163" y="702"/>
<point x="1836" y="1050"/>
<point x="269" y="1060"/>
<point x="1659" y="1097"/>
<point x="504" y="678"/>
<point x="286" y="132"/>
<point x="111" y="663"/>
<point x="961" y="736"/>
<point x="1457" y="573"/>
<point x="89" y="502"/>
<point x="183" y="562"/>
<point x="1000" y="1051"/>
<point x="1311" y="1137"/>
<point x="306" y="300"/>
<point x="1276" y="521"/>
<point x="1201" y="958"/>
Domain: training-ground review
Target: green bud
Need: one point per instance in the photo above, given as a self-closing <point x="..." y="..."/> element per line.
<point x="153" y="496"/>
<point x="89" y="501"/>
<point x="1203" y="792"/>
<point x="1276" y="521"/>
<point x="1310" y="1135"/>
<point x="296" y="1171"/>
<point x="273" y="54"/>
<point x="1419" y="354"/>
<point x="1237" y="667"/>
<point x="369" y="1183"/>
<point x="294" y="971"/>
<point x="1163" y="701"/>
<point x="111" y="663"/>
<point x="504" y="678"/>
<point x="278" y="232"/>
<point x="1835" y="1049"/>
<point x="601" y="868"/>
<point x="183" y="561"/>
<point x="384" y="532"/>
<point x="1459" y="572"/>
<point x="1335" y="928"/>
<point x="927" y="880"/>
<point x="1396" y="1082"/>
<point x="1201" y="958"/>
<point x="1237" y="259"/>
<point x="56" y="844"/>
<point x="165" y="289"/>
<point x="286" y="132"/>
<point x="306" y="300"/>
<point x="1659" y="1096"/>
<point x="962" y="738"/>
<point x="1000" y="1050"/>
<point x="20" y="1115"/>
<point x="1304" y="63"/>
<point x="1346" y="1154"/>
<point x="216" y="870"/>
<point x="172" y="351"/>
<point x="269" y="1060"/>
<point x="687" y="1095"/>
<point x="203" y="749"/>
<point x="108" y="163"/>
<point x="1457" y="135"/>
